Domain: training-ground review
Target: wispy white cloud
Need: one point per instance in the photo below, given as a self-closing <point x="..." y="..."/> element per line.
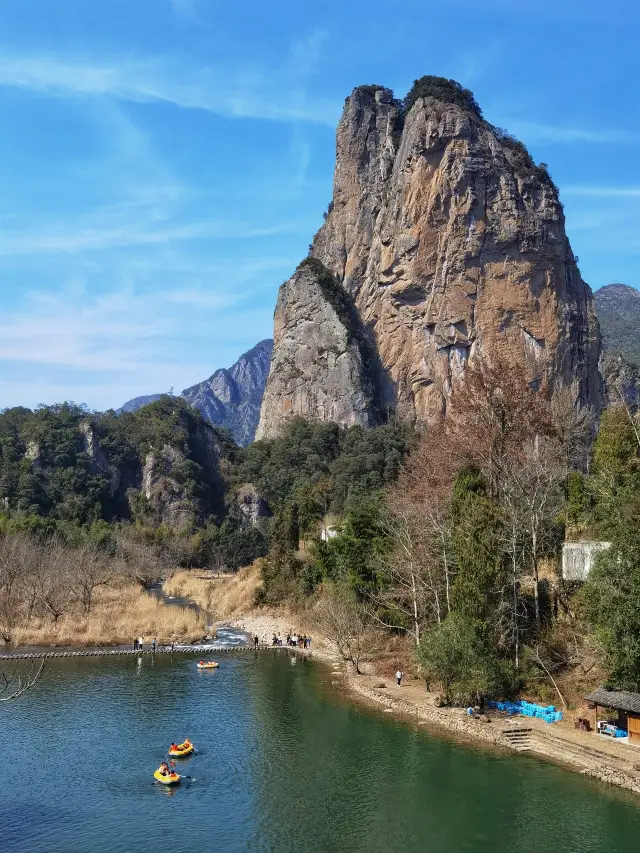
<point x="602" y="192"/>
<point x="53" y="241"/>
<point x="185" y="9"/>
<point x="247" y="90"/>
<point x="103" y="348"/>
<point x="535" y="132"/>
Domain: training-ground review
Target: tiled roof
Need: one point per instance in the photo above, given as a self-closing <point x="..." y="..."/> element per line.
<point x="617" y="699"/>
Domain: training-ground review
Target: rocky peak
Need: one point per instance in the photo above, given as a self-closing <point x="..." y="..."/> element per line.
<point x="223" y="387"/>
<point x="251" y="370"/>
<point x="231" y="398"/>
<point x="450" y="243"/>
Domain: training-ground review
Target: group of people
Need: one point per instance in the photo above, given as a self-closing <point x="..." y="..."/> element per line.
<point x="138" y="644"/>
<point x="299" y="640"/>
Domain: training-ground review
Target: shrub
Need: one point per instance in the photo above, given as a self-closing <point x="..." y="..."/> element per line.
<point x="443" y="89"/>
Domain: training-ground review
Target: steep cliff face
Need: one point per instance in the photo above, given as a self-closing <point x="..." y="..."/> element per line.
<point x="450" y="243"/>
<point x="319" y="368"/>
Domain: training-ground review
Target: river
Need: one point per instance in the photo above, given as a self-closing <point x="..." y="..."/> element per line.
<point x="285" y="765"/>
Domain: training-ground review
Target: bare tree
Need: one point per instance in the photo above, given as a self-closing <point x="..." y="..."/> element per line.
<point x="91" y="568"/>
<point x="573" y="426"/>
<point x="533" y="486"/>
<point x="346" y="624"/>
<point x="415" y="575"/>
<point x="141" y="562"/>
<point x="493" y="412"/>
<point x="14" y="684"/>
<point x="55" y="593"/>
<point x="12" y="560"/>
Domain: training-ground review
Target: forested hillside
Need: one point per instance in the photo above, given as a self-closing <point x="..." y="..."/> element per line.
<point x="462" y="553"/>
<point x="450" y="538"/>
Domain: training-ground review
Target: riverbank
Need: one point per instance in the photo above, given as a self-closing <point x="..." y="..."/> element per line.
<point x="122" y="613"/>
<point x="587" y="753"/>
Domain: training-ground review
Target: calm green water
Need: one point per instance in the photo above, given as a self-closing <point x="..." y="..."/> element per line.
<point x="284" y="766"/>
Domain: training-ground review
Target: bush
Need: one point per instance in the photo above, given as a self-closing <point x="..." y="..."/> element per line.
<point x="443" y="89"/>
<point x="457" y="655"/>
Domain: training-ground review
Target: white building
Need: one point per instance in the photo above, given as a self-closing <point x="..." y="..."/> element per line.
<point x="578" y="557"/>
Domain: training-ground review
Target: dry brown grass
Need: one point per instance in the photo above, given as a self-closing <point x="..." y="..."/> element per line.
<point x="224" y="596"/>
<point x="118" y="615"/>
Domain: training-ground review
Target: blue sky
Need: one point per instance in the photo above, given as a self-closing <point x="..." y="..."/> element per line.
<point x="165" y="163"/>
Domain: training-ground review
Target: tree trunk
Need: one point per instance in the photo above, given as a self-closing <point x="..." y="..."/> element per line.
<point x="415" y="609"/>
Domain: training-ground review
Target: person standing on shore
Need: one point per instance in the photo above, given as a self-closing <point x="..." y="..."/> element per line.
<point x="256" y="641"/>
<point x="399" y="677"/>
<point x="153" y="645"/>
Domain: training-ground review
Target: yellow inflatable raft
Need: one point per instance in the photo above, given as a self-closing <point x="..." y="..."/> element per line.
<point x="181" y="749"/>
<point x="166" y="778"/>
<point x="207" y="664"/>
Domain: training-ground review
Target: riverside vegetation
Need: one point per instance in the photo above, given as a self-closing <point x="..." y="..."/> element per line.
<point x="448" y="541"/>
<point x="449" y="527"/>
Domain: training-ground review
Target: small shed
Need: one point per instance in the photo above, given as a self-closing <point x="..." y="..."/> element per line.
<point x="626" y="704"/>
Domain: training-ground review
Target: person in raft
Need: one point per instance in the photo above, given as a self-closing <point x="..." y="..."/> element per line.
<point x="399" y="677"/>
<point x="164" y="769"/>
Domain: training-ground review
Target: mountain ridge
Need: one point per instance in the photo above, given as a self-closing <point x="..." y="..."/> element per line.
<point x="618" y="309"/>
<point x="230" y="397"/>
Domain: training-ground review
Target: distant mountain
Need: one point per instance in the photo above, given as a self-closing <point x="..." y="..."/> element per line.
<point x="138" y="403"/>
<point x="229" y="398"/>
<point x="618" y="309"/>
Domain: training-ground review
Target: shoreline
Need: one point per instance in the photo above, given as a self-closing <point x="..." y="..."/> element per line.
<point x="585" y="753"/>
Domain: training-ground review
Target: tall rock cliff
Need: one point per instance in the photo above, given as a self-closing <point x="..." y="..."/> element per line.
<point x="448" y="243"/>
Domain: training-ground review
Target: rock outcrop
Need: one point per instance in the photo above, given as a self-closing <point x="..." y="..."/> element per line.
<point x="621" y="380"/>
<point x="320" y="368"/>
<point x="450" y="244"/>
<point x="251" y="505"/>
<point x="98" y="460"/>
<point x="182" y="482"/>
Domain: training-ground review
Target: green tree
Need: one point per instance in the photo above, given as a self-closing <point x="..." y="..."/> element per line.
<point x="458" y="655"/>
<point x="615" y="480"/>
<point x="476" y="544"/>
<point x="611" y="599"/>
